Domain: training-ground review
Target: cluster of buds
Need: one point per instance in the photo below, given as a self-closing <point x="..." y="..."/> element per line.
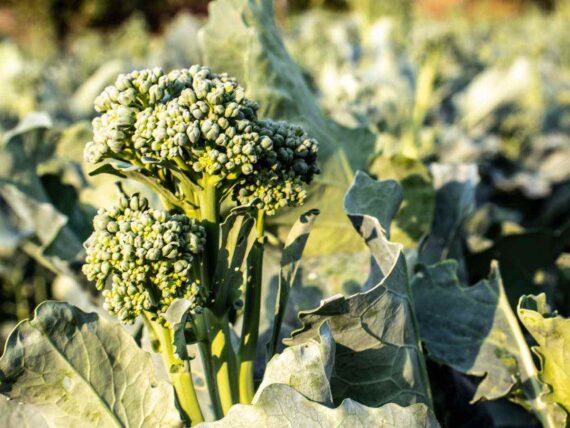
<point x="189" y="124"/>
<point x="192" y="117"/>
<point x="149" y="255"/>
<point x="278" y="178"/>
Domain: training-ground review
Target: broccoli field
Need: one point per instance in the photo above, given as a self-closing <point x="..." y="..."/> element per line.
<point x="285" y="213"/>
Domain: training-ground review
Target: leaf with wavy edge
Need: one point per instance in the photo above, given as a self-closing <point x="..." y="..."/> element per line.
<point x="471" y="329"/>
<point x="378" y="355"/>
<point x="280" y="406"/>
<point x="250" y="48"/>
<point x="474" y="330"/>
<point x="77" y="369"/>
<point x="552" y="333"/>
<point x="306" y="367"/>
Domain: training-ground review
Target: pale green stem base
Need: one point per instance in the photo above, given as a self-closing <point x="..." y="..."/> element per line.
<point x="210" y="375"/>
<point x="223" y="359"/>
<point x="179" y="374"/>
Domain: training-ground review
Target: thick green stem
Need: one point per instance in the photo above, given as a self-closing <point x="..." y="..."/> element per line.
<point x="250" y="328"/>
<point x="179" y="374"/>
<point x="218" y="327"/>
<point x="210" y="213"/>
<point x="223" y="358"/>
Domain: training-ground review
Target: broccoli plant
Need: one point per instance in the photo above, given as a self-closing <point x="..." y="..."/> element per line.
<point x="193" y="137"/>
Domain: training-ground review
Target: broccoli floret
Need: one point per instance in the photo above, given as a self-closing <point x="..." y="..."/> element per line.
<point x="149" y="255"/>
<point x="193" y="117"/>
<point x="193" y="129"/>
<point x="277" y="179"/>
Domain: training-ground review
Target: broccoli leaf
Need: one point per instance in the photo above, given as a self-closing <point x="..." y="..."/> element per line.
<point x="280" y="405"/>
<point x="49" y="236"/>
<point x="177" y="315"/>
<point x="237" y="238"/>
<point x="295" y="391"/>
<point x="455" y="197"/>
<point x="474" y="331"/>
<point x="79" y="370"/>
<point x="552" y="333"/>
<point x="378" y="356"/>
<point x="251" y="48"/>
<point x="306" y="367"/>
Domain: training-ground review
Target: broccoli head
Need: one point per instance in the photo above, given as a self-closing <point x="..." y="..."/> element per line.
<point x="149" y="256"/>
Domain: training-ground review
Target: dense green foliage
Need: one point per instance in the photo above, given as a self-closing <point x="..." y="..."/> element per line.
<point x="420" y="165"/>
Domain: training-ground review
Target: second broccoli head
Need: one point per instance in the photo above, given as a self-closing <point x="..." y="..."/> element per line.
<point x="149" y="255"/>
<point x="202" y="123"/>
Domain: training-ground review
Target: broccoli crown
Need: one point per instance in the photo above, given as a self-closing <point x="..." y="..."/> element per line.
<point x="278" y="177"/>
<point x="149" y="256"/>
<point x="191" y="115"/>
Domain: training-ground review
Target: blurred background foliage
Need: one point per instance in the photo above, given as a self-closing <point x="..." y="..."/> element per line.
<point x="407" y="85"/>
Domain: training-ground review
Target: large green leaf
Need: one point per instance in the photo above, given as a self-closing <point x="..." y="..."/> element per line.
<point x="250" y="48"/>
<point x="290" y="261"/>
<point x="295" y="391"/>
<point x="280" y="406"/>
<point x="552" y="333"/>
<point x="79" y="370"/>
<point x="378" y="354"/>
<point x="474" y="330"/>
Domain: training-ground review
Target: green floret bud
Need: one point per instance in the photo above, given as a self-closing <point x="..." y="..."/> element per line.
<point x="277" y="179"/>
<point x="194" y="116"/>
<point x="147" y="255"/>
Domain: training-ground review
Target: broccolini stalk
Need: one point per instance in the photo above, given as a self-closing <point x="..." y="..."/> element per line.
<point x="276" y="182"/>
<point x="193" y="138"/>
<point x="150" y="256"/>
<point x="194" y="130"/>
<point x="179" y="373"/>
